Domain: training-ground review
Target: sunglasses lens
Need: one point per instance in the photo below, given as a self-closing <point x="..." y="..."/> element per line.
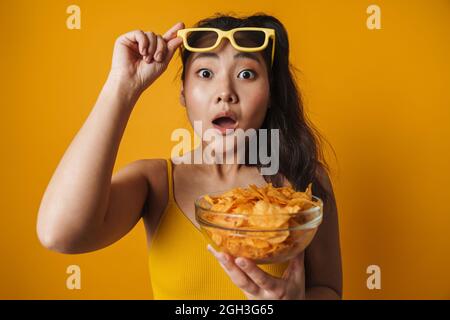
<point x="249" y="38"/>
<point x="201" y="39"/>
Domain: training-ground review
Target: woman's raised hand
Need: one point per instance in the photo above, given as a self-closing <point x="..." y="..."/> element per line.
<point x="139" y="57"/>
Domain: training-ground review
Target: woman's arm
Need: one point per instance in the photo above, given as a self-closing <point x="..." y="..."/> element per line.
<point x="84" y="208"/>
<point x="323" y="264"/>
<point x="75" y="202"/>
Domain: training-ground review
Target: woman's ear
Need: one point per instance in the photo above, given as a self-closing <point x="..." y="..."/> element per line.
<point x="182" y="98"/>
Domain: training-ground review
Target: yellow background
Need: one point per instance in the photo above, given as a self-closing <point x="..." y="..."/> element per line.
<point x="381" y="97"/>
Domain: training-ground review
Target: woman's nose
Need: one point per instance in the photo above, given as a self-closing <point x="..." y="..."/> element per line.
<point x="227" y="96"/>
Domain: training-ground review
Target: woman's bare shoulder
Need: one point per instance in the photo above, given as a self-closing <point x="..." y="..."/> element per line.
<point x="155" y="172"/>
<point x="152" y="165"/>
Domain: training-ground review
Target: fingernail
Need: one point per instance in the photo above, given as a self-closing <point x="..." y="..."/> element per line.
<point x="241" y="263"/>
<point x="159" y="57"/>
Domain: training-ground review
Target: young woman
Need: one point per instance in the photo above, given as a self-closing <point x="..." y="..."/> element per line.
<point x="85" y="208"/>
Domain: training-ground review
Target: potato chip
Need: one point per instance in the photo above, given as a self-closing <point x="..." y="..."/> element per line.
<point x="258" y="222"/>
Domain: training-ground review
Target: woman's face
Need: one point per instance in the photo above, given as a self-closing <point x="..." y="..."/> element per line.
<point x="226" y="88"/>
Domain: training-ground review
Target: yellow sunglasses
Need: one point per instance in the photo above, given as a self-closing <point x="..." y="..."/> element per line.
<point x="247" y="39"/>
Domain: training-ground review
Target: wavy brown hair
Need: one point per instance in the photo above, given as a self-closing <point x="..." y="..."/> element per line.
<point x="301" y="155"/>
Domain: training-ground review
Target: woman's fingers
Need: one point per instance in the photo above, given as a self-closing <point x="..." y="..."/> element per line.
<point x="173" y="45"/>
<point x="172" y="32"/>
<point x="152" y="46"/>
<point x="236" y="275"/>
<point x="161" y="48"/>
<point x="173" y="42"/>
<point x="295" y="272"/>
<point x="152" y="41"/>
<point x="299" y="268"/>
<point x="137" y="37"/>
<point x="142" y="41"/>
<point x="261" y="278"/>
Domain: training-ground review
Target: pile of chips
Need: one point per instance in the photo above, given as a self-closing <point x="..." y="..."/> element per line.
<point x="259" y="223"/>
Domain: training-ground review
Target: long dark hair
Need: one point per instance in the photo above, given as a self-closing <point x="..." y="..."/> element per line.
<point x="301" y="155"/>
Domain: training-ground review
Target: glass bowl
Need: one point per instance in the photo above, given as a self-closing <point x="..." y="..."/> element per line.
<point x="226" y="232"/>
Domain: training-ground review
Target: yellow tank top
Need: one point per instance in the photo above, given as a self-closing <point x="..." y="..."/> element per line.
<point x="180" y="265"/>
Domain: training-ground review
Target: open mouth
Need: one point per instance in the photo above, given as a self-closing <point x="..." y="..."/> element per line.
<point x="224" y="121"/>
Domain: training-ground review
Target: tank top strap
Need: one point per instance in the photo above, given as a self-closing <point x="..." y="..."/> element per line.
<point x="181" y="267"/>
<point x="169" y="179"/>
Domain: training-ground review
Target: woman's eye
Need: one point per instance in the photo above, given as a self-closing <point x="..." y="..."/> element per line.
<point x="203" y="73"/>
<point x="247" y="74"/>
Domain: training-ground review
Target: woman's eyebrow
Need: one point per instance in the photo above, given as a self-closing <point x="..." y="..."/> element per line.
<point x="241" y="55"/>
